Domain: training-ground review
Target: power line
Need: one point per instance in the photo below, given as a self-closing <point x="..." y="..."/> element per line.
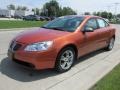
<point x="109" y="8"/>
<point x="116" y="7"/>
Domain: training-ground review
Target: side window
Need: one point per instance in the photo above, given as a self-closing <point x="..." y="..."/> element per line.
<point x="102" y="23"/>
<point x="92" y="23"/>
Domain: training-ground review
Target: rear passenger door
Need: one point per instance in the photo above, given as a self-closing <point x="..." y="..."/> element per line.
<point x="104" y="32"/>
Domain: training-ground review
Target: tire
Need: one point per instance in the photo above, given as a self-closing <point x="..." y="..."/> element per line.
<point x="110" y="44"/>
<point x="65" y="59"/>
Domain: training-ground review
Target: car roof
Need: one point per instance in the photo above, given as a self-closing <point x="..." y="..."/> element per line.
<point x="85" y="16"/>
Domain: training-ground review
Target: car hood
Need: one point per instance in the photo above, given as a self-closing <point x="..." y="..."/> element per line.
<point x="39" y="35"/>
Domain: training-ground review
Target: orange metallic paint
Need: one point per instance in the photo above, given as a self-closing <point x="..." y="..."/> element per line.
<point x="84" y="43"/>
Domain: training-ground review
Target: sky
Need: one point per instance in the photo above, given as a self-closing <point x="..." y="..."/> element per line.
<point x="78" y="5"/>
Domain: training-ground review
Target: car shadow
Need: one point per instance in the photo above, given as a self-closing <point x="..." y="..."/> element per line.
<point x="90" y="55"/>
<point x="19" y="73"/>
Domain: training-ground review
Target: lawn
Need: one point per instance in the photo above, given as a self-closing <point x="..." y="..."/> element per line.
<point x="110" y="82"/>
<point x="5" y="24"/>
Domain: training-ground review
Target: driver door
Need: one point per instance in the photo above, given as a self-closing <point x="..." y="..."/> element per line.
<point x="91" y="39"/>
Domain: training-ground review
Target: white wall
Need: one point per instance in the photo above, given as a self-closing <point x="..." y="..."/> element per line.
<point x="23" y="13"/>
<point x="5" y="12"/>
<point x="19" y="13"/>
<point x="29" y="13"/>
<point x="9" y="13"/>
<point x="12" y="12"/>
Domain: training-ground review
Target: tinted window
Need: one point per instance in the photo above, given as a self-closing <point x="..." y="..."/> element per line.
<point x="92" y="23"/>
<point x="102" y="23"/>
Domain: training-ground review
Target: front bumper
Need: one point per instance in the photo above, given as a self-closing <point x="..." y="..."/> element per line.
<point x="36" y="60"/>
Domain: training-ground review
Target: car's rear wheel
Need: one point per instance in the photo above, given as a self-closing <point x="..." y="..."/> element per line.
<point x="110" y="44"/>
<point x="65" y="59"/>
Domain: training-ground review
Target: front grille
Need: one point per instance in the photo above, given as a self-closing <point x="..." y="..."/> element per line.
<point x="15" y="46"/>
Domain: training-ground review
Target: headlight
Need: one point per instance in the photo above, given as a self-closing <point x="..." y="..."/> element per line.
<point x="40" y="46"/>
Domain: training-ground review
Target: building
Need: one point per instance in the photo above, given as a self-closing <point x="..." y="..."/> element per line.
<point x="12" y="13"/>
<point x="5" y="13"/>
<point x="22" y="13"/>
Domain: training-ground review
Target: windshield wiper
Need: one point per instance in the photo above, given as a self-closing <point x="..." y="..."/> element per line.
<point x="55" y="28"/>
<point x="44" y="27"/>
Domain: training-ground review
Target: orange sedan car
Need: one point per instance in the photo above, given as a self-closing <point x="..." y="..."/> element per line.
<point x="60" y="42"/>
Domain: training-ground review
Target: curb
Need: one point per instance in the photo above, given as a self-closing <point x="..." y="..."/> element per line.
<point x="14" y="29"/>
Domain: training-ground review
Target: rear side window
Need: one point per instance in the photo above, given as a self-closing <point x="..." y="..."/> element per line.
<point x="102" y="23"/>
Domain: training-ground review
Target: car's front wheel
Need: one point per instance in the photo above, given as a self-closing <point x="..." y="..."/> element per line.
<point x="65" y="59"/>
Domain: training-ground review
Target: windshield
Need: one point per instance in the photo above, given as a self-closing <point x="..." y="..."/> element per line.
<point x="64" y="23"/>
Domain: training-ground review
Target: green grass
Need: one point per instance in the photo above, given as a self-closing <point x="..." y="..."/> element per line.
<point x="5" y="24"/>
<point x="110" y="82"/>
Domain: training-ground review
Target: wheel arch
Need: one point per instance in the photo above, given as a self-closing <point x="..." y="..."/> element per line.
<point x="60" y="50"/>
<point x="72" y="46"/>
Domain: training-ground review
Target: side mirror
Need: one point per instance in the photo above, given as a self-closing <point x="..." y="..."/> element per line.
<point x="88" y="29"/>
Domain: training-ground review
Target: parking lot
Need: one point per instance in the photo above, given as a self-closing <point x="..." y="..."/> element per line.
<point x="85" y="73"/>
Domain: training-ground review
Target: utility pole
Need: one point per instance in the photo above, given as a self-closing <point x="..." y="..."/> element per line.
<point x="116" y="7"/>
<point x="108" y="10"/>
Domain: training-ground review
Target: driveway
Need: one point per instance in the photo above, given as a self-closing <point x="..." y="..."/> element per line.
<point x="85" y="73"/>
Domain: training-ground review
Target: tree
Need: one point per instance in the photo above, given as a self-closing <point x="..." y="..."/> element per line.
<point x="98" y="14"/>
<point x="87" y="13"/>
<point x="11" y="7"/>
<point x="33" y="10"/>
<point x="18" y="8"/>
<point x="95" y="13"/>
<point x="104" y="14"/>
<point x="68" y="11"/>
<point x="23" y="8"/>
<point x="118" y="15"/>
<point x="110" y="15"/>
<point x="53" y="8"/>
<point x="36" y="11"/>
